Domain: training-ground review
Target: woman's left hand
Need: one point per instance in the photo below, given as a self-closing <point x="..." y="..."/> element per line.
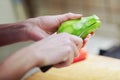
<point x="43" y="26"/>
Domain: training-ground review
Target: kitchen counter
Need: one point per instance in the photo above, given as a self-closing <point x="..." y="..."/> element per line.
<point x="93" y="68"/>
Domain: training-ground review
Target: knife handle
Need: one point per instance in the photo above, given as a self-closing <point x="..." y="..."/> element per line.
<point x="46" y="68"/>
<point x="83" y="54"/>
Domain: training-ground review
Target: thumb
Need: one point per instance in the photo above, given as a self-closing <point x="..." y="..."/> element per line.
<point x="68" y="16"/>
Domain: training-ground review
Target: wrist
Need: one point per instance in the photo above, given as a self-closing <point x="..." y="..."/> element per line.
<point x="11" y="33"/>
<point x="30" y="58"/>
<point x="20" y="62"/>
<point x="21" y="32"/>
<point x="37" y="58"/>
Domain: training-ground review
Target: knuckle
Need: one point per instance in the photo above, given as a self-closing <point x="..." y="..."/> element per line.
<point x="81" y="40"/>
<point x="69" y="13"/>
<point x="68" y="42"/>
<point x="68" y="50"/>
<point x="80" y="43"/>
<point x="64" y="34"/>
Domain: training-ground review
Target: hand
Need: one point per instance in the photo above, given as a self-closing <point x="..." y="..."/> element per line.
<point x="57" y="49"/>
<point x="41" y="27"/>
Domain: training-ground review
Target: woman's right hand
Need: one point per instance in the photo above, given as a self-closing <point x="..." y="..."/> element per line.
<point x="57" y="49"/>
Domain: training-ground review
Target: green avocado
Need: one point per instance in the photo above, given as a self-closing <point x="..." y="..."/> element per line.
<point x="80" y="27"/>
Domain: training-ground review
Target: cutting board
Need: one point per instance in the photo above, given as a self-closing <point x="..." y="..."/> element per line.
<point x="93" y="68"/>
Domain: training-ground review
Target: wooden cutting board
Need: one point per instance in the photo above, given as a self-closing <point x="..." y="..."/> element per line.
<point x="93" y="68"/>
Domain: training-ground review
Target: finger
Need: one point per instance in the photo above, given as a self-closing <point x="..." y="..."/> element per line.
<point x="65" y="63"/>
<point x="75" y="49"/>
<point x="72" y="15"/>
<point x="77" y="41"/>
<point x="86" y="39"/>
<point x="68" y="16"/>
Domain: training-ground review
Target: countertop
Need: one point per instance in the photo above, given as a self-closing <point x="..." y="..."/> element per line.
<point x="93" y="68"/>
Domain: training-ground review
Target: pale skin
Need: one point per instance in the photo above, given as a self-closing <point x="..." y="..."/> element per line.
<point x="50" y="48"/>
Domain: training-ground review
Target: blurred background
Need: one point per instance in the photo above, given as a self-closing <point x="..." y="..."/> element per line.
<point x="108" y="11"/>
